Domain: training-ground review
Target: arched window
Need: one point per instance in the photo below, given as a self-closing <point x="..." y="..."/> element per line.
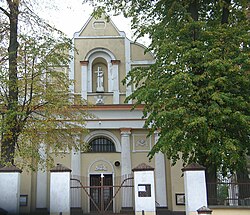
<point x="101" y="144"/>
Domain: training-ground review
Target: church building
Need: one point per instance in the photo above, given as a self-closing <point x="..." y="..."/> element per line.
<point x="102" y="177"/>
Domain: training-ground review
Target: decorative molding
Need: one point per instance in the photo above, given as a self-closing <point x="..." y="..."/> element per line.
<point x="141" y="143"/>
<point x="101" y="167"/>
<point x="84" y="62"/>
<point x="99" y="99"/>
<point x="115" y="62"/>
<point x="99" y="37"/>
<point x="99" y="24"/>
<point x="142" y="62"/>
<point x="100" y="50"/>
<point x="98" y="163"/>
<point x="125" y="131"/>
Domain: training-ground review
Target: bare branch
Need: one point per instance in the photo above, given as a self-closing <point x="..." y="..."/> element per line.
<point x="5" y="12"/>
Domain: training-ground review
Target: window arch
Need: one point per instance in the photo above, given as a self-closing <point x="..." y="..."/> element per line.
<point x="102" y="144"/>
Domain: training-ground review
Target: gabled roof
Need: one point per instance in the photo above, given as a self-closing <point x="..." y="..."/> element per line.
<point x="99" y="27"/>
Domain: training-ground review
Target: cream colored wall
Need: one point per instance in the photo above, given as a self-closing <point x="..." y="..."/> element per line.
<point x="64" y="159"/>
<point x="138" y="153"/>
<point x="168" y="183"/>
<point x="230" y="211"/>
<point x="25" y="189"/>
<point x="137" y="53"/>
<point x="176" y="182"/>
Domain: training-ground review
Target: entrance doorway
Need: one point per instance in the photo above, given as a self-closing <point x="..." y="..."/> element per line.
<point x="101" y="192"/>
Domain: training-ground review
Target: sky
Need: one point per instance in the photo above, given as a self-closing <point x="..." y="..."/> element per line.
<point x="70" y="15"/>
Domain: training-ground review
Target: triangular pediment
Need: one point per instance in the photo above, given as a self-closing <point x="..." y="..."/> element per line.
<point x="99" y="27"/>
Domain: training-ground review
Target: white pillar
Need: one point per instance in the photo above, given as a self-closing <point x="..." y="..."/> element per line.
<point x="41" y="180"/>
<point x="160" y="177"/>
<point x="10" y="189"/>
<point x="76" y="173"/>
<point x="144" y="190"/>
<point x="60" y="190"/>
<point x="128" y="67"/>
<point x="115" y="81"/>
<point x="126" y="166"/>
<point x="72" y="71"/>
<point x="84" y="80"/>
<point x="195" y="188"/>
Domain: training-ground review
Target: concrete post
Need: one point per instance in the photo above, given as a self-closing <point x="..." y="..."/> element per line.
<point x="195" y="188"/>
<point x="10" y="189"/>
<point x="144" y="188"/>
<point x="60" y="190"/>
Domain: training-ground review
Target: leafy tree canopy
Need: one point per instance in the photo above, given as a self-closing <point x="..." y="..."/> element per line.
<point x="35" y="103"/>
<point x="197" y="93"/>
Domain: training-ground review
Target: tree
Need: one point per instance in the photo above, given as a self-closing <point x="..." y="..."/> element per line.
<point x="197" y="93"/>
<point x="36" y="106"/>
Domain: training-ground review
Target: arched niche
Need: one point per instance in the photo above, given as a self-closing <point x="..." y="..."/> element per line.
<point x="99" y="63"/>
<point x="105" y="58"/>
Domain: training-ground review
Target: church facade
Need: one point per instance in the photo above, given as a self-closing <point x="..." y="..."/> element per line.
<point x="116" y="138"/>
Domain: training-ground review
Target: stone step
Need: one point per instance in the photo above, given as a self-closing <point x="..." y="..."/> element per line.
<point x="76" y="211"/>
<point x="166" y="211"/>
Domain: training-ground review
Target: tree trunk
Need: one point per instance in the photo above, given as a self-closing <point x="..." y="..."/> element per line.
<point x="10" y="131"/>
<point x="193" y="10"/>
<point x="225" y="12"/>
<point x="211" y="178"/>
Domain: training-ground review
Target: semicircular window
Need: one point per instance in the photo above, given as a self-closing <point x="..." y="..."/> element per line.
<point x="102" y="144"/>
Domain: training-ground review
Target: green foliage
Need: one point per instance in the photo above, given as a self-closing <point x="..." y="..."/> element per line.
<point x="43" y="111"/>
<point x="197" y="93"/>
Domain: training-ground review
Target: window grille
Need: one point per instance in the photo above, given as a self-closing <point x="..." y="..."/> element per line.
<point x="102" y="144"/>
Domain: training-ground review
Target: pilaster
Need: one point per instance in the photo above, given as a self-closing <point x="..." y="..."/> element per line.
<point x="115" y="80"/>
<point x="126" y="166"/>
<point x="84" y="81"/>
<point x="76" y="173"/>
<point x="128" y="67"/>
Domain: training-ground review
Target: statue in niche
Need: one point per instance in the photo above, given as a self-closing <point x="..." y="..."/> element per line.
<point x="99" y="81"/>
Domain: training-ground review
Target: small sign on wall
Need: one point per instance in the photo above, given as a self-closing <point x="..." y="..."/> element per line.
<point x="144" y="190"/>
<point x="23" y="201"/>
<point x="180" y="198"/>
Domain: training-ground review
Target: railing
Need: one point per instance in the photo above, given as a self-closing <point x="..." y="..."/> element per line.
<point x="228" y="194"/>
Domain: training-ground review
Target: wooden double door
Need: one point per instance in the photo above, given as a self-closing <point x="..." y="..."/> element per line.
<point x="101" y="192"/>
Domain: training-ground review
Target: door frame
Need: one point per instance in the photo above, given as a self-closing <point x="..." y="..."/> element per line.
<point x="100" y="173"/>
